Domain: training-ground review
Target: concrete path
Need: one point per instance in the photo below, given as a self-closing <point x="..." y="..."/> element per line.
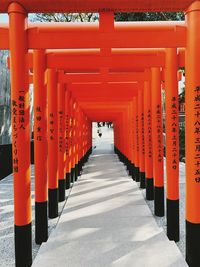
<point x="106" y="222"/>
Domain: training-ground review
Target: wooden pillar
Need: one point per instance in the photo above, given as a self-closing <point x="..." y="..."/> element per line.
<point x="157" y="138"/>
<point x="192" y="129"/>
<point x="148" y="141"/>
<point x="52" y="100"/>
<point x="141" y="136"/>
<point x="40" y="146"/>
<point x="61" y="142"/>
<point x="72" y="141"/>
<point x="132" y="129"/>
<point x="134" y="139"/>
<point x="76" y="138"/>
<point x="137" y="159"/>
<point x="67" y="143"/>
<point x="172" y="143"/>
<point x="20" y="105"/>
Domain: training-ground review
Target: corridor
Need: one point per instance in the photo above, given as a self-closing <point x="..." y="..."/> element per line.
<point x="106" y="221"/>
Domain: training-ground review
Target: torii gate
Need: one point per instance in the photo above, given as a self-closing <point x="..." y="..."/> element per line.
<point x="173" y="221"/>
<point x="17" y="32"/>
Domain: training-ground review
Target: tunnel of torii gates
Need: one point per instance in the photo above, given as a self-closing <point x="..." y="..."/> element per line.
<point x="104" y="71"/>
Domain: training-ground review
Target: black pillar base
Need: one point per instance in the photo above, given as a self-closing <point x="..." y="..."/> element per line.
<point x="86" y="157"/>
<point x="149" y="189"/>
<point x="126" y="161"/>
<point x="81" y="164"/>
<point x="192" y="244"/>
<point x="133" y="171"/>
<point x="128" y="165"/>
<point x="83" y="161"/>
<point x="61" y="190"/>
<point x="68" y="180"/>
<point x="53" y="203"/>
<point x="173" y="220"/>
<point x="41" y="222"/>
<point x="79" y="168"/>
<point x="72" y="175"/>
<point x="159" y="206"/>
<point x="122" y="158"/>
<point x="130" y="168"/>
<point x="137" y="171"/>
<point x="76" y="172"/>
<point x="142" y="179"/>
<point x="23" y="246"/>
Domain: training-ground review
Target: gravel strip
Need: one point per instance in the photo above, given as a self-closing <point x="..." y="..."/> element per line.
<point x="7" y="220"/>
<point x="161" y="221"/>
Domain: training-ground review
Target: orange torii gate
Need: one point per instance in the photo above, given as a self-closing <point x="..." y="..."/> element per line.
<point x="128" y="76"/>
<point x="98" y="6"/>
<point x="93" y="35"/>
<point x="19" y="82"/>
<point x="93" y="96"/>
<point x="123" y="76"/>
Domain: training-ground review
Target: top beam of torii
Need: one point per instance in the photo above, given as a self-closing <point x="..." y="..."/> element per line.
<point x="98" y="5"/>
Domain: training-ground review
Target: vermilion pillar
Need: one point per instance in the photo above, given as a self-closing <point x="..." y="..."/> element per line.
<point x="40" y="146"/>
<point x="67" y="143"/>
<point x="172" y="143"/>
<point x="132" y="129"/>
<point x="126" y="123"/>
<point x="192" y="116"/>
<point x="71" y="136"/>
<point x="20" y="134"/>
<point x="134" y="137"/>
<point x="148" y="141"/>
<point x="141" y="136"/>
<point x="137" y="160"/>
<point x="52" y="142"/>
<point x="90" y="138"/>
<point x="79" y="139"/>
<point x="76" y="138"/>
<point x="125" y="143"/>
<point x="61" y="142"/>
<point x="157" y="138"/>
<point x="73" y="140"/>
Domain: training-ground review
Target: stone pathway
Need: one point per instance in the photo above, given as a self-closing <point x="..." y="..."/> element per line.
<point x="7" y="255"/>
<point x="106" y="222"/>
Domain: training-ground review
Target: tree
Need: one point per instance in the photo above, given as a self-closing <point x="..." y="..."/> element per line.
<point x="86" y="17"/>
<point x="149" y="16"/>
<point x="65" y="17"/>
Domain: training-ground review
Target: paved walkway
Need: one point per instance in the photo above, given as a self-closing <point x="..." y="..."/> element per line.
<point x="106" y="222"/>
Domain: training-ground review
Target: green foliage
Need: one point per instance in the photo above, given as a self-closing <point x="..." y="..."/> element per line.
<point x="149" y="16"/>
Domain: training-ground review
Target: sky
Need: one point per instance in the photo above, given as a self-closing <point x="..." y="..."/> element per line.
<point x="3" y="18"/>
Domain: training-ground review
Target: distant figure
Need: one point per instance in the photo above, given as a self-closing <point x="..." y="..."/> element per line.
<point x="99" y="132"/>
<point x="109" y="124"/>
